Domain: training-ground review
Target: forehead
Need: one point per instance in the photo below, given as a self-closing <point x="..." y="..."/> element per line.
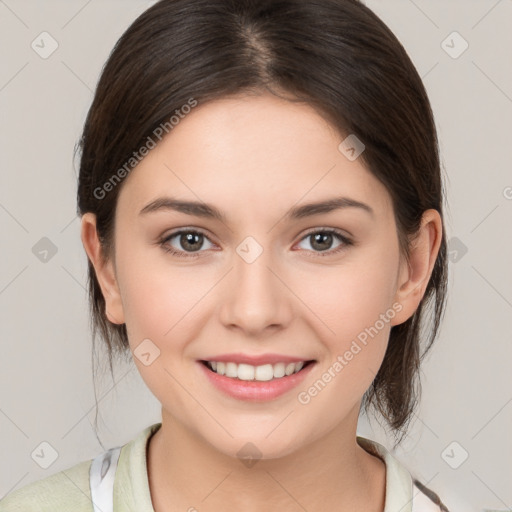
<point x="252" y="153"/>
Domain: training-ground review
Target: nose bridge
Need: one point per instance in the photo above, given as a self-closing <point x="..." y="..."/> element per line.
<point x="256" y="298"/>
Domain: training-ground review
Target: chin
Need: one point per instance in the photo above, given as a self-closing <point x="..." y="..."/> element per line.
<point x="260" y="446"/>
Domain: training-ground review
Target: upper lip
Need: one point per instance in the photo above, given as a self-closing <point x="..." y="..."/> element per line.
<point x="256" y="360"/>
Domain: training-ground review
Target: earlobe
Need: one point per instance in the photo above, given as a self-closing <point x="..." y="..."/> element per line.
<point x="104" y="270"/>
<point x="415" y="273"/>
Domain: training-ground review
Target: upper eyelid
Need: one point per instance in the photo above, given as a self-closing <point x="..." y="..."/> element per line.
<point x="180" y="231"/>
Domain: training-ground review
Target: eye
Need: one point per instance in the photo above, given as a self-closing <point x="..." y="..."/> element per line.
<point x="190" y="241"/>
<point x="322" y="239"/>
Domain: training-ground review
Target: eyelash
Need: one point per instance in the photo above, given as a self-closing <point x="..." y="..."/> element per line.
<point x="182" y="254"/>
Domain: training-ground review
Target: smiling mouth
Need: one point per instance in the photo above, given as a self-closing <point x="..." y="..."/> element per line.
<point x="262" y="373"/>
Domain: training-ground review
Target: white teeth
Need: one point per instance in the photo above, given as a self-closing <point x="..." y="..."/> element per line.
<point x="290" y="368"/>
<point x="263" y="372"/>
<point x="231" y="370"/>
<point x="245" y="372"/>
<point x="279" y="370"/>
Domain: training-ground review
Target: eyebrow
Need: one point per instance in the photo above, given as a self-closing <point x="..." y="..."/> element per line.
<point x="200" y="209"/>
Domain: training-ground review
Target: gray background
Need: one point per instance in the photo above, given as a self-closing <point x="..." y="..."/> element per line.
<point x="46" y="391"/>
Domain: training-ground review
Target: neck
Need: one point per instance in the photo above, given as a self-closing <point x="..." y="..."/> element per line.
<point x="332" y="473"/>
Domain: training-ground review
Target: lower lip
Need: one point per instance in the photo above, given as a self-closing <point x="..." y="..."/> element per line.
<point x="253" y="390"/>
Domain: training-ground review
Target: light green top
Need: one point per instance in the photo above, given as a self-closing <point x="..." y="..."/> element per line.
<point x="69" y="491"/>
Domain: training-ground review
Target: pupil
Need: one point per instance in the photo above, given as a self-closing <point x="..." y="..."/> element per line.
<point x="188" y="239"/>
<point x="322" y="238"/>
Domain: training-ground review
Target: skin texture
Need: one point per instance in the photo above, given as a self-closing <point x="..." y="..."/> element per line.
<point x="254" y="157"/>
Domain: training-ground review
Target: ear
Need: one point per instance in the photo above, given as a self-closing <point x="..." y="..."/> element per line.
<point x="105" y="272"/>
<point x="415" y="274"/>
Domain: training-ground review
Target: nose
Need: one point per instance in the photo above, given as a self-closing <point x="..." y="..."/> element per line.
<point x="255" y="297"/>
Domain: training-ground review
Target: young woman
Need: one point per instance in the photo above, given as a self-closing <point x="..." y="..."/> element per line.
<point x="262" y="208"/>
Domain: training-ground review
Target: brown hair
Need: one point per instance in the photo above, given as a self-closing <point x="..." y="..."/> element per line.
<point x="335" y="55"/>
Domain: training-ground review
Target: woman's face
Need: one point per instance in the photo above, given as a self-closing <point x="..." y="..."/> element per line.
<point x="259" y="281"/>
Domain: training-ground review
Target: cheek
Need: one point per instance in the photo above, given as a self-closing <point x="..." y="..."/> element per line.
<point x="354" y="306"/>
<point x="156" y="293"/>
<point x="167" y="303"/>
<point x="350" y="297"/>
<point x="162" y="303"/>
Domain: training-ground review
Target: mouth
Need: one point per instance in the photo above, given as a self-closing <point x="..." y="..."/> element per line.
<point x="260" y="373"/>
<point x="254" y="377"/>
<point x="255" y="383"/>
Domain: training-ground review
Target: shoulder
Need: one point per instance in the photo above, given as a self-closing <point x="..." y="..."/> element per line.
<point x="402" y="488"/>
<point x="425" y="499"/>
<point x="69" y="490"/>
<point x="65" y="490"/>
